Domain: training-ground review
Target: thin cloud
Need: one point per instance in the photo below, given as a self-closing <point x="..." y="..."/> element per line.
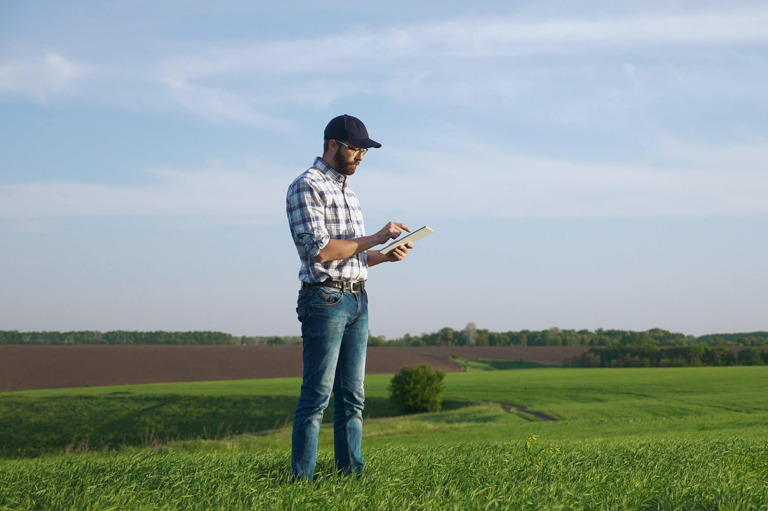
<point x="171" y="192"/>
<point x="493" y="182"/>
<point x="471" y="39"/>
<point x="504" y="37"/>
<point x="220" y="105"/>
<point x="446" y="62"/>
<point x="733" y="157"/>
<point x="41" y="79"/>
<point x="443" y="62"/>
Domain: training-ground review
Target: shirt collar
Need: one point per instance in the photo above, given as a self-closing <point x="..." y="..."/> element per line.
<point x="329" y="171"/>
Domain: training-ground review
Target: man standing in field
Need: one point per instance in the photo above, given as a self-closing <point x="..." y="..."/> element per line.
<point x="326" y="224"/>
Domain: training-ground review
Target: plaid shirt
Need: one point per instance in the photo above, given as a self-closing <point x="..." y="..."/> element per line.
<point x="321" y="207"/>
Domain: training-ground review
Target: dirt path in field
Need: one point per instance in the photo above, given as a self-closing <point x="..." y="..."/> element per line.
<point x="539" y="415"/>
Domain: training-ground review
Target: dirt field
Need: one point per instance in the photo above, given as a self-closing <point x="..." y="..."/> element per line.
<point x="38" y="367"/>
<point x="41" y="367"/>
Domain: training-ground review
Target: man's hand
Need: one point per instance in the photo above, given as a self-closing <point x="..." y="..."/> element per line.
<point x="342" y="249"/>
<point x="390" y="231"/>
<point x="399" y="253"/>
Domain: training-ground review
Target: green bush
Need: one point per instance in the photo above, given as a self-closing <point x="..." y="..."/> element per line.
<point x="417" y="389"/>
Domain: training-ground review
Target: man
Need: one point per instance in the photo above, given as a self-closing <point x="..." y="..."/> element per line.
<point x="327" y="227"/>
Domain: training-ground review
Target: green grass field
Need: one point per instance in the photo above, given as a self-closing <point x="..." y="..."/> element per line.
<point x="671" y="438"/>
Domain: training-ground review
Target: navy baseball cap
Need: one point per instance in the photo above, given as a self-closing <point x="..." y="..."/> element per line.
<point x="349" y="129"/>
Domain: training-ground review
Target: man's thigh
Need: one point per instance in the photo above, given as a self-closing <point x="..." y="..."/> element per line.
<point x="354" y="346"/>
<point x="324" y="317"/>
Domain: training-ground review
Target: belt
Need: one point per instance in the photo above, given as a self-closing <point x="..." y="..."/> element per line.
<point x="353" y="287"/>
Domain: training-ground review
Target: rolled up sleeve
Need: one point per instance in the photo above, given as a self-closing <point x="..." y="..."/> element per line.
<point x="306" y="216"/>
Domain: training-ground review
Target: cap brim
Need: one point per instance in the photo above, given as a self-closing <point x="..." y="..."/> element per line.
<point x="365" y="143"/>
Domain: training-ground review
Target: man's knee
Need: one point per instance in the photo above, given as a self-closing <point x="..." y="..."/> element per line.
<point x="353" y="401"/>
<point x="357" y="399"/>
<point x="313" y="401"/>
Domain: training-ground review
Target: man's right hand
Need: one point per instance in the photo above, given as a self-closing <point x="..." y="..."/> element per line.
<point x="341" y="249"/>
<point x="390" y="231"/>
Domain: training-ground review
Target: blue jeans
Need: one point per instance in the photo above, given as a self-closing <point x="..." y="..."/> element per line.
<point x="334" y="330"/>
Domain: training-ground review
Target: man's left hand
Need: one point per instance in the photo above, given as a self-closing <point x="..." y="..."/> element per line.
<point x="399" y="253"/>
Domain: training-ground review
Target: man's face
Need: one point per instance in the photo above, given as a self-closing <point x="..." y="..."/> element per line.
<point x="345" y="160"/>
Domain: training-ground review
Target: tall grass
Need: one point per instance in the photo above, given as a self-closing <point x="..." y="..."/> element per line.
<point x="590" y="402"/>
<point x="680" y="474"/>
<point x="688" y="438"/>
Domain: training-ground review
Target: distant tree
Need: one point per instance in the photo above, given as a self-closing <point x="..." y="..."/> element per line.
<point x="377" y="341"/>
<point x="719" y="357"/>
<point x="751" y="357"/>
<point x="469" y="334"/>
<point x="591" y="360"/>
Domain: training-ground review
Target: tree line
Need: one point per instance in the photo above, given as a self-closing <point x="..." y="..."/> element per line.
<point x="117" y="337"/>
<point x="473" y="336"/>
<point x="122" y="337"/>
<point x="469" y="336"/>
<point x="675" y="356"/>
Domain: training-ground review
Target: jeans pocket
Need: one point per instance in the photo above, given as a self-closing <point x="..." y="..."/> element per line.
<point x="326" y="297"/>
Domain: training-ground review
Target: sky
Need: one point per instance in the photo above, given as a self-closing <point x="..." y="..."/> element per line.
<point x="599" y="164"/>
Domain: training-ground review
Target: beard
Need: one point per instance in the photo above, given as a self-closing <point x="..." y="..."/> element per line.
<point x="343" y="166"/>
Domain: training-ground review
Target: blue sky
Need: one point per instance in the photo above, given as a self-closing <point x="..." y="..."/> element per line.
<point x="595" y="165"/>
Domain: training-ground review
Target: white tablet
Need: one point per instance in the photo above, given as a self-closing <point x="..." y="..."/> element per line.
<point x="414" y="236"/>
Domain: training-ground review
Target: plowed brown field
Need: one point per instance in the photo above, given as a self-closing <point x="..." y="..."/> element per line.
<point x="39" y="367"/>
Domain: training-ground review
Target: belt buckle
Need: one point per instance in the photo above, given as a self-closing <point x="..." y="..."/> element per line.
<point x="351" y="287"/>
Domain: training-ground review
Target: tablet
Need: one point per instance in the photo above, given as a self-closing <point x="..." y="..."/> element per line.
<point x="414" y="236"/>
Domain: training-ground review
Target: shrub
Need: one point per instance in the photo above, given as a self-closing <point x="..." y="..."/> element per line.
<point x="417" y="389"/>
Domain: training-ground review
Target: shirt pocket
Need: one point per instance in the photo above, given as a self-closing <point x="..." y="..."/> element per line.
<point x="338" y="218"/>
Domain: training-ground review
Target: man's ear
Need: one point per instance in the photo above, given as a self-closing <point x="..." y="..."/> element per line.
<point x="333" y="145"/>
